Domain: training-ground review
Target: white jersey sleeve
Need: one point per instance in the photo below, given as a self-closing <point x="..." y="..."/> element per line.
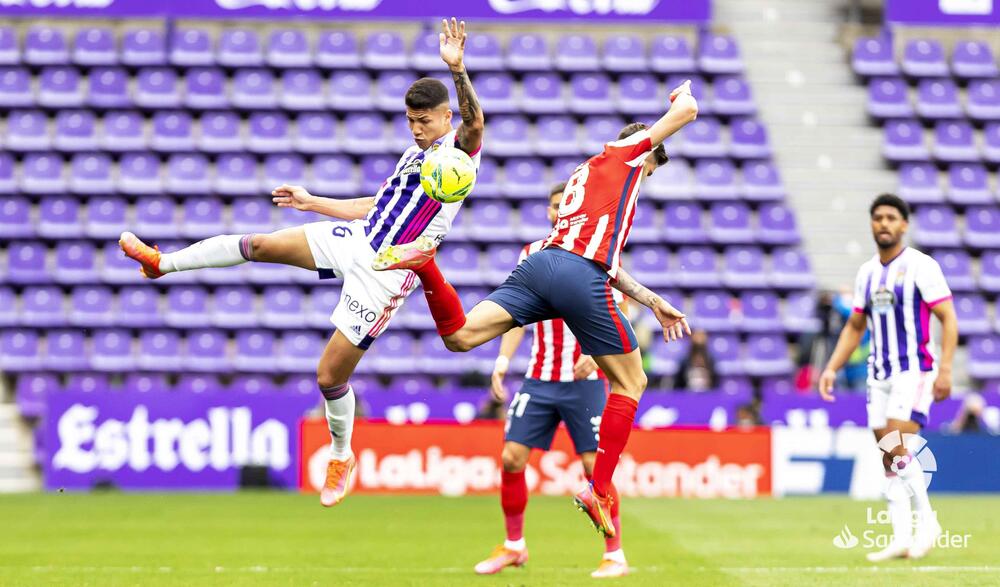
<point x="931" y="283"/>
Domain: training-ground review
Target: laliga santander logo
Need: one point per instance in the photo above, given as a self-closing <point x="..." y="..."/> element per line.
<point x="845" y="539"/>
<point x="916" y="447"/>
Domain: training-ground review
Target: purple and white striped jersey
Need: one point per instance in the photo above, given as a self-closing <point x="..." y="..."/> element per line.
<point x="897" y="298"/>
<point x="402" y="210"/>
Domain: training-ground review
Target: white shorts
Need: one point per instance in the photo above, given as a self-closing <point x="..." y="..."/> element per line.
<point x="369" y="298"/>
<point x="904" y="396"/>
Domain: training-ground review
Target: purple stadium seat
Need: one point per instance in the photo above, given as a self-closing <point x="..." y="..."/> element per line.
<point x="683" y="224"/>
<point x="576" y="53"/>
<point x="108" y="88"/>
<point x="10" y="53"/>
<point x="713" y="311"/>
<point x="970" y="308"/>
<point x="374" y="170"/>
<point x="188" y="175"/>
<point x="936" y="227"/>
<point x="300" y="351"/>
<point x="984" y="357"/>
<point x="202" y="218"/>
<point x="269" y="133"/>
<point x="282" y="169"/>
<point x="337" y="49"/>
<point x="919" y="183"/>
<point x="524" y="178"/>
<point x="189" y="383"/>
<point x="42" y="173"/>
<point x="715" y="179"/>
<point x="461" y="263"/>
<point x="991" y="142"/>
<point x="957" y="268"/>
<point x="391" y="88"/>
<point x="496" y="92"/>
<point x="156" y="87"/>
<point x="59" y="218"/>
<point x="556" y="136"/>
<point x="92" y="306"/>
<point x="425" y="55"/>
<point x="60" y="87"/>
<point x="306" y="385"/>
<point x="670" y="54"/>
<point x="45" y="45"/>
<point x="665" y="358"/>
<point x="283" y="307"/>
<point x="76" y="130"/>
<point x="155" y="217"/>
<point x="239" y="48"/>
<point x="250" y="216"/>
<point x="983" y="100"/>
<point x="302" y="90"/>
<point x="744" y="267"/>
<point x="15" y="87"/>
<point x="236" y="175"/>
<point x="146" y="383"/>
<point x="191" y="47"/>
<point x="760" y="312"/>
<point x="316" y="133"/>
<point x="624" y="53"/>
<point x="395" y="344"/>
<point x="730" y="223"/>
<point x="32" y="391"/>
<point x="187" y="306"/>
<point x="719" y="54"/>
<point x="507" y="136"/>
<point x="364" y="134"/>
<point x="487" y="183"/>
<point x="904" y="141"/>
<point x="27" y="130"/>
<point x="19" y="351"/>
<point x="542" y="93"/>
<point x="172" y="132"/>
<point x="138" y="307"/>
<point x="938" y="98"/>
<point x="206" y="351"/>
<point x="139" y="174"/>
<point x="234" y="307"/>
<point x="500" y="261"/>
<point x="88" y="382"/>
<point x="748" y="139"/>
<point x="95" y="46"/>
<point x="982" y="227"/>
<point x="116" y="268"/>
<point x="272" y="273"/>
<point x="528" y="52"/>
<point x="675" y="181"/>
<point x="534" y="221"/>
<point x="989" y="272"/>
<point x="954" y="141"/>
<point x="732" y="97"/>
<point x="767" y="355"/>
<point x="703" y="138"/>
<point x="323" y="300"/>
<point x="497" y="215"/>
<point x="776" y="225"/>
<point x="351" y="90"/>
<point x="639" y="95"/>
<point x="112" y="350"/>
<point x="205" y="88"/>
<point x="698" y="267"/>
<point x="160" y="350"/>
<point x="123" y="131"/>
<point x="15" y="217"/>
<point x="888" y="98"/>
<point x="384" y="50"/>
<point x="335" y="175"/>
<point x="969" y="184"/>
<point x="75" y="262"/>
<point x="43" y="307"/>
<point x="254" y="89"/>
<point x="800" y="312"/>
<point x="255" y="351"/>
<point x="288" y="48"/>
<point x="972" y="59"/>
<point x="106" y="215"/>
<point x="699" y="89"/>
<point x="649" y="264"/>
<point x="590" y="93"/>
<point x="143" y="47"/>
<point x="646" y="225"/>
<point x="924" y="58"/>
<point x="220" y="133"/>
<point x="26" y="263"/>
<point x="873" y="56"/>
<point x="483" y="53"/>
<point x="598" y="130"/>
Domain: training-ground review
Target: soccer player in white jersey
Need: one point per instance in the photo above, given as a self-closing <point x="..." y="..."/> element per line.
<point x="562" y="384"/>
<point x="895" y="293"/>
<point x="400" y="212"/>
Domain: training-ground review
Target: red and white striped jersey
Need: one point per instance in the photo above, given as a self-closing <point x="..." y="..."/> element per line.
<point x="554" y="350"/>
<point x="598" y="205"/>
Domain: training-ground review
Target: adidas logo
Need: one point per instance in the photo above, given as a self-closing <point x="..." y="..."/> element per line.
<point x="356" y="328"/>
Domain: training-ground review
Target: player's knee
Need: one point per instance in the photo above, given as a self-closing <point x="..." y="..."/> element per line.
<point x="513" y="461"/>
<point x="458" y="342"/>
<point x="261" y="247"/>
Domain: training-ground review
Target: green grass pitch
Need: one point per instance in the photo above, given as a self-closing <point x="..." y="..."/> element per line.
<point x="264" y="538"/>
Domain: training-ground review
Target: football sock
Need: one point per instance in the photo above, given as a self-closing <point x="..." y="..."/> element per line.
<point x="616" y="424"/>
<point x="900" y="510"/>
<point x="219" y="251"/>
<point x="614" y="544"/>
<point x="513" y="500"/>
<point x="913" y="475"/>
<point x="340" y="417"/>
<point x="442" y="299"/>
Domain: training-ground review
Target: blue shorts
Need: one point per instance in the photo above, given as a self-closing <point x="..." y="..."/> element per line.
<point x="536" y="410"/>
<point x="554" y="283"/>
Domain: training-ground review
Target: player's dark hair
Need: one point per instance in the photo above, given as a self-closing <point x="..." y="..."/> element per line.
<point x="557" y="189"/>
<point x="891" y="200"/>
<point x="659" y="151"/>
<point x="426" y="93"/>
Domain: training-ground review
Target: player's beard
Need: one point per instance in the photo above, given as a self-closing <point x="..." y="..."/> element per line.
<point x="884" y="245"/>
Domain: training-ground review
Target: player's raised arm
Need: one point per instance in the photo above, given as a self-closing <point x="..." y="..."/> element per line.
<point x="470" y="132"/>
<point x="673" y="321"/>
<point x="683" y="109"/>
<point x="293" y="196"/>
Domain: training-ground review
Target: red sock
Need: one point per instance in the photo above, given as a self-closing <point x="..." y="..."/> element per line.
<point x="616" y="424"/>
<point x="513" y="500"/>
<point x="613" y="544"/>
<point x="442" y="299"/>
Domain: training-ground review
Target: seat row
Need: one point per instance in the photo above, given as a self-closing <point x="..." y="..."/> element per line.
<point x="965" y="184"/>
<point x="874" y="56"/>
<point x="951" y="141"/>
<point x="934" y="99"/>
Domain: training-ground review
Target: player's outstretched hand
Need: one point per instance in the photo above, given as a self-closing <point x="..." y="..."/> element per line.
<point x="684" y="88"/>
<point x="585" y="365"/>
<point x="942" y="386"/>
<point x="497" y="389"/>
<point x="826" y="381"/>
<point x="292" y="196"/>
<point x="673" y="321"/>
<point x="452" y="39"/>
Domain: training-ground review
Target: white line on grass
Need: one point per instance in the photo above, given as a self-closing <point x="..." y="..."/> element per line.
<point x="890" y="569"/>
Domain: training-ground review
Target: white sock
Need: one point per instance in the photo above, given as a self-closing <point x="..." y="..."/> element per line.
<point x="615" y="555"/>
<point x="913" y="476"/>
<point x="340" y="417"/>
<point x="900" y="511"/>
<point x="219" y="251"/>
<point x="517" y="545"/>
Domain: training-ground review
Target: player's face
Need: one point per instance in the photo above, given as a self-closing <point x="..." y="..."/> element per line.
<point x="888" y="226"/>
<point x="553" y="209"/>
<point x="429" y="125"/>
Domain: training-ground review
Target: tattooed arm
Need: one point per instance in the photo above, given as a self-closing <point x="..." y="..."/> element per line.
<point x="470" y="132"/>
<point x="673" y="321"/>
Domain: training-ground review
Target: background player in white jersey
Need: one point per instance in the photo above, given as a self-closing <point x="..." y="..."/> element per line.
<point x="400" y="212"/>
<point x="561" y="385"/>
<point x="895" y="293"/>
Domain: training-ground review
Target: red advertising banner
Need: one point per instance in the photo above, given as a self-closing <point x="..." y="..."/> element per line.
<point x="454" y="459"/>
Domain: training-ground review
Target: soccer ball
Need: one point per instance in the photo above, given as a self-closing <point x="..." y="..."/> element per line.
<point x="447" y="175"/>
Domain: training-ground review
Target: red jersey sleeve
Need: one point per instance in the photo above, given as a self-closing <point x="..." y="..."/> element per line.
<point x="632" y="150"/>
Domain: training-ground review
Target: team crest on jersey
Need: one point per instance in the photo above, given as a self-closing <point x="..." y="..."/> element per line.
<point x="883" y="300"/>
<point x="901" y="275"/>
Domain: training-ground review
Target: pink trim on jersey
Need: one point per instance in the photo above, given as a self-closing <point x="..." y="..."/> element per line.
<point x="940" y="301"/>
<point x="859" y="310"/>
<point x="394" y="302"/>
<point x="419" y="223"/>
<point x="925" y="330"/>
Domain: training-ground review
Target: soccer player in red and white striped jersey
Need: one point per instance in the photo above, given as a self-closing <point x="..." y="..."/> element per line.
<point x="562" y="384"/>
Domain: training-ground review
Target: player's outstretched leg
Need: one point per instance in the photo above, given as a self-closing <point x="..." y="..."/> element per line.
<point x="613" y="562"/>
<point x="513" y="500"/>
<point x="335" y="366"/>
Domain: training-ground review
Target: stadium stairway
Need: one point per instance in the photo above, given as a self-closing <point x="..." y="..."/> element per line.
<point x="17" y="459"/>
<point x="826" y="149"/>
